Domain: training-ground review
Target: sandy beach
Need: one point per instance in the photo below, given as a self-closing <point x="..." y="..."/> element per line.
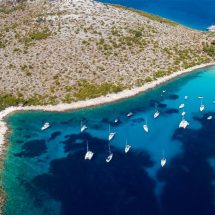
<point x="91" y="102"/>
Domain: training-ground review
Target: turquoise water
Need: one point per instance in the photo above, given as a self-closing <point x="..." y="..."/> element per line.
<point x="198" y="14"/>
<point x="45" y="172"/>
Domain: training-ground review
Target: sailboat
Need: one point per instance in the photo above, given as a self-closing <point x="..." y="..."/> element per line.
<point x="129" y="114"/>
<point x="116" y="120"/>
<point x="145" y="127"/>
<point x="45" y="126"/>
<point x="127" y="147"/>
<point x="183" y="123"/>
<point x="157" y="113"/>
<point x="83" y="127"/>
<point x="89" y="154"/>
<point x="202" y="107"/>
<point x="163" y="160"/>
<point x="185" y="97"/>
<point x="111" y="134"/>
<point x="183" y="113"/>
<point x="209" y="117"/>
<point x="110" y="156"/>
<point x="181" y="106"/>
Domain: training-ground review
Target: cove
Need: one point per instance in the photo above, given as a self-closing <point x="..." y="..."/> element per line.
<point x="45" y="171"/>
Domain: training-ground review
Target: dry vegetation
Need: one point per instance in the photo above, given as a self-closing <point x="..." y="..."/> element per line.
<point x="70" y="50"/>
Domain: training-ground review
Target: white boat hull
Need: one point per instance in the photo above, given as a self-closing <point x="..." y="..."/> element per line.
<point x="183" y="124"/>
<point x="146" y="129"/>
<point x="156" y="114"/>
<point x="127" y="148"/>
<point x="45" y="126"/>
<point x="111" y="136"/>
<point x="163" y="162"/>
<point x="181" y="106"/>
<point x="210" y="118"/>
<point x="109" y="158"/>
<point x="202" y="107"/>
<point x="83" y="128"/>
<point x="183" y="113"/>
<point x="129" y="114"/>
<point x="88" y="155"/>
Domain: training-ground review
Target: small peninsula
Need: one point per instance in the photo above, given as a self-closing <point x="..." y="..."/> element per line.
<point x="66" y="51"/>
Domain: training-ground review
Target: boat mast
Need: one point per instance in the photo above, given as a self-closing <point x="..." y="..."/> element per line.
<point x="87" y="146"/>
<point x="109" y="147"/>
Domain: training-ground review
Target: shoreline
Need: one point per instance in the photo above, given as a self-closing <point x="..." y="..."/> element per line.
<point x="110" y="98"/>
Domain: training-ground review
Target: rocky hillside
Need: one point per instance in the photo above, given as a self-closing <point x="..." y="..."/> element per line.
<point x="67" y="50"/>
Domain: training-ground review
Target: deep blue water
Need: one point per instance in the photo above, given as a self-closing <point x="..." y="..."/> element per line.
<point x="198" y="14"/>
<point x="45" y="172"/>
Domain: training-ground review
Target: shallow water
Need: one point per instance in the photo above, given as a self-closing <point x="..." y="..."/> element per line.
<point x="45" y="171"/>
<point x="198" y="14"/>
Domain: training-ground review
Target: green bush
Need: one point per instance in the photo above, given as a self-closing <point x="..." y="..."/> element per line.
<point x="7" y="100"/>
<point x="92" y="90"/>
<point x="161" y="73"/>
<point x="210" y="50"/>
<point x="9" y="9"/>
<point x="148" y="79"/>
<point x="39" y="35"/>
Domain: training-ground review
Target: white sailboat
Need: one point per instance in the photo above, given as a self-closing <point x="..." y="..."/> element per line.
<point x="181" y="106"/>
<point x="185" y="97"/>
<point x="145" y="127"/>
<point x="129" y="114"/>
<point x="110" y="156"/>
<point x="127" y="147"/>
<point x="116" y="120"/>
<point x="209" y="117"/>
<point x="89" y="154"/>
<point x="111" y="134"/>
<point x="157" y="113"/>
<point x="45" y="126"/>
<point x="202" y="107"/>
<point x="183" y="123"/>
<point x="83" y="127"/>
<point x="163" y="162"/>
<point x="183" y="113"/>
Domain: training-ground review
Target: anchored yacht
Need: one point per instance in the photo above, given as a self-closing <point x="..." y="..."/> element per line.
<point x="145" y="127"/>
<point x="89" y="154"/>
<point x="127" y="147"/>
<point x="111" y="134"/>
<point x="45" y="126"/>
<point x="83" y="127"/>
<point x="183" y="123"/>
